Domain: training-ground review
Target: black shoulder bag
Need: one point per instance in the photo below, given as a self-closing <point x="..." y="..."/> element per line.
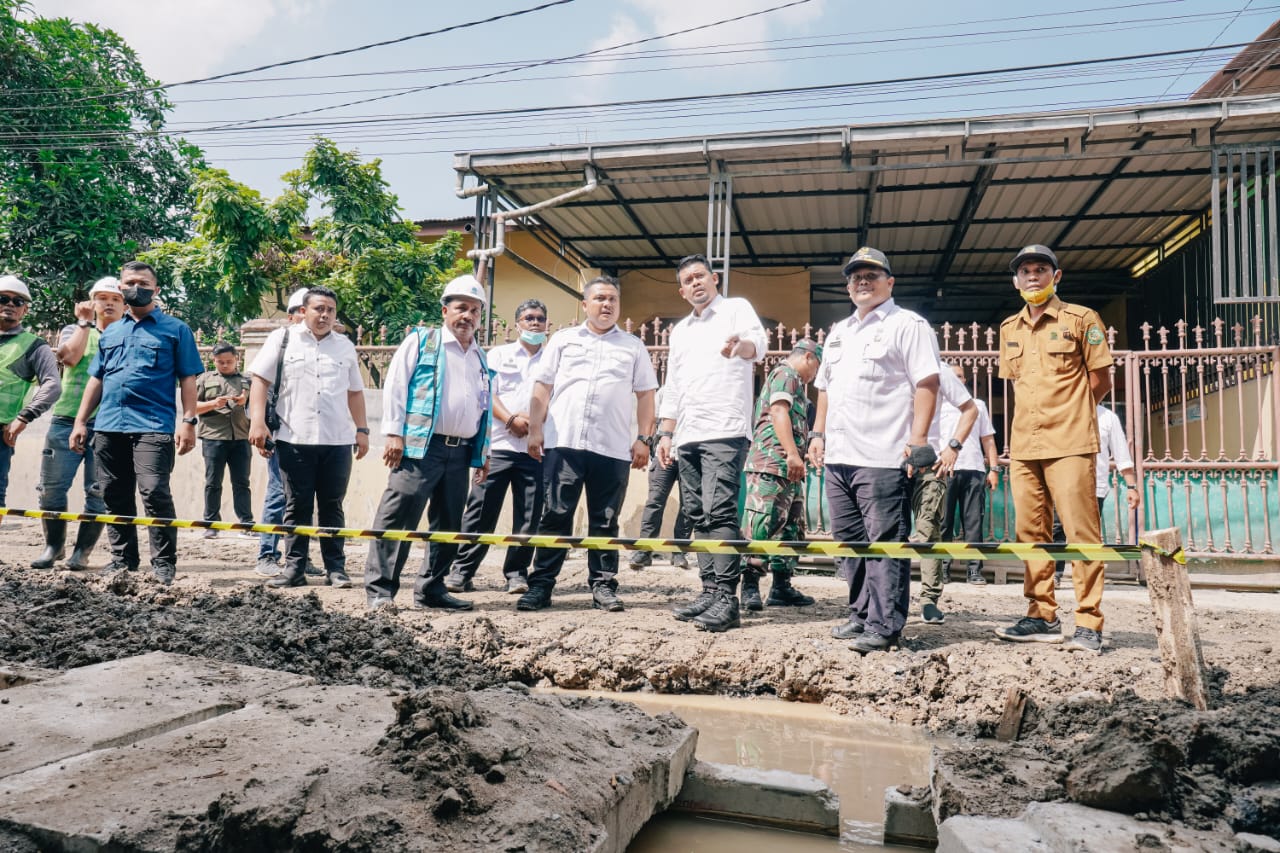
<point x="273" y="396"/>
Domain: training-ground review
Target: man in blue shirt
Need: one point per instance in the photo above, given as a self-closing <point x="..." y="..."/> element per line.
<point x="140" y="361"/>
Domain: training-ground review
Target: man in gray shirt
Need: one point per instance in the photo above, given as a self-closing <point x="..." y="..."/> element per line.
<point x="25" y="360"/>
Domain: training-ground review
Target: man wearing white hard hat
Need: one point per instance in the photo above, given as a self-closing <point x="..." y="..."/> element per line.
<point x="436" y="407"/>
<point x="77" y="345"/>
<point x="25" y="360"/>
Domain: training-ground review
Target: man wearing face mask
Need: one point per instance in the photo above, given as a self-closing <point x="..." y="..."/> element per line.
<point x="1056" y="355"/>
<point x="140" y="361"/>
<point x="435" y="416"/>
<point x="510" y="465"/>
<point x="25" y="360"/>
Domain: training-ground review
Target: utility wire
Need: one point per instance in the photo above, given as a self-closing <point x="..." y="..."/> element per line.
<point x="1226" y="27"/>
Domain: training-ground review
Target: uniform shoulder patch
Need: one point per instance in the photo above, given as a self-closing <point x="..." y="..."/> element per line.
<point x="1094" y="336"/>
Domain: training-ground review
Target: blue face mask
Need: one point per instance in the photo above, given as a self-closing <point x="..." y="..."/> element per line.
<point x="534" y="338"/>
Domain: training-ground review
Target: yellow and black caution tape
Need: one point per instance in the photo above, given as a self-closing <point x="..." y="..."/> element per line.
<point x="1177" y="554"/>
<point x="899" y="550"/>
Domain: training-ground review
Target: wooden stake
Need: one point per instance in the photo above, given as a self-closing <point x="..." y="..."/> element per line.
<point x="1015" y="708"/>
<point x="1176" y="631"/>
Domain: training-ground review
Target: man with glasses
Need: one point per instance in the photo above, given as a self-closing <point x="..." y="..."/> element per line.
<point x="25" y="360"/>
<point x="510" y="465"/>
<point x="77" y="345"/>
<point x="1056" y="356"/>
<point x="877" y="391"/>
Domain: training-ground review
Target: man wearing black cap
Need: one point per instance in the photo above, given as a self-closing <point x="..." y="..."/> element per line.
<point x="1057" y="357"/>
<point x="221" y="397"/>
<point x="877" y="391"/>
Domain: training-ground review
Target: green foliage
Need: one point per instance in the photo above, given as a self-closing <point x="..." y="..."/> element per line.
<point x="86" y="177"/>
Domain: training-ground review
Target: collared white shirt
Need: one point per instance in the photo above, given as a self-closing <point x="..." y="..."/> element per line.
<point x="513" y="367"/>
<point x="593" y="379"/>
<point x="1112" y="445"/>
<point x="464" y="399"/>
<point x="707" y="395"/>
<point x="317" y="375"/>
<point x="870" y="369"/>
<point x="970" y="457"/>
<point x="951" y="394"/>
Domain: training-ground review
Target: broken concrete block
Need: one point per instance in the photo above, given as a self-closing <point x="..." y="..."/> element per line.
<point x="769" y="797"/>
<point x="908" y="816"/>
<point x="968" y="834"/>
<point x="1249" y="842"/>
<point x="1067" y="826"/>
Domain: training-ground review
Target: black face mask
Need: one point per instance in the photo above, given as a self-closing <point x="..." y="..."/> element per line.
<point x="138" y="297"/>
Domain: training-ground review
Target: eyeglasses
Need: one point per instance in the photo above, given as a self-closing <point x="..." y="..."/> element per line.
<point x="15" y="301"/>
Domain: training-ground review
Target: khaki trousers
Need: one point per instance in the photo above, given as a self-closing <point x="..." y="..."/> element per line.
<point x="1067" y="484"/>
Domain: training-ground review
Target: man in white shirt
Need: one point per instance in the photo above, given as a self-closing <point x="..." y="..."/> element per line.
<point x="976" y="472"/>
<point x="1113" y="445"/>
<point x="580" y="427"/>
<point x="435" y="418"/>
<point x="706" y="425"/>
<point x="510" y="465"/>
<point x="322" y="421"/>
<point x="877" y="391"/>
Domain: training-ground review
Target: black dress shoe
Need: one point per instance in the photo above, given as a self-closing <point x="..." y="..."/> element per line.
<point x="848" y="630"/>
<point x="442" y="601"/>
<point x="285" y="579"/>
<point x="873" y="642"/>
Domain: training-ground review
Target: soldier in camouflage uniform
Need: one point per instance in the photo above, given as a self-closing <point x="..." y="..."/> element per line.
<point x="774" y="505"/>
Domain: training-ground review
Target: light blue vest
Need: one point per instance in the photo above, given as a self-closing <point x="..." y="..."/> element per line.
<point x="426" y="390"/>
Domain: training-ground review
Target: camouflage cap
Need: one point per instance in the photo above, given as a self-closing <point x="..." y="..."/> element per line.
<point x="808" y="345"/>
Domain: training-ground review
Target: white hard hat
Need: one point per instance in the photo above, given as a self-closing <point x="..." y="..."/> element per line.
<point x="466" y="286"/>
<point x="297" y="299"/>
<point x="13" y="284"/>
<point x="106" y="284"/>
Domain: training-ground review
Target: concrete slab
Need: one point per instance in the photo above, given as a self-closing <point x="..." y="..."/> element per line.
<point x="122" y="702"/>
<point x="149" y="794"/>
<point x="769" y="797"/>
<point x="908" y="817"/>
<point x="1066" y="825"/>
<point x="968" y="834"/>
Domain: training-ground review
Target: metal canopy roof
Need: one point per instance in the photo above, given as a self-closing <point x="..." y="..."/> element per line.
<point x="949" y="201"/>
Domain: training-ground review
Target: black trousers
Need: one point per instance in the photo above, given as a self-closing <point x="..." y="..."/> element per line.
<point x="964" y="510"/>
<point x="315" y="478"/>
<point x="522" y="474"/>
<point x="141" y="461"/>
<point x="872" y="505"/>
<point x="436" y="483"/>
<point x="566" y="474"/>
<point x="219" y="455"/>
<point x="710" y="481"/>
<point x="661" y="482"/>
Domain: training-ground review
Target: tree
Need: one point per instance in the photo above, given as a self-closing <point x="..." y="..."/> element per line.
<point x="87" y="176"/>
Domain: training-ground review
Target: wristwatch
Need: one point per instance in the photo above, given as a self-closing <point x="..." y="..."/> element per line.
<point x="362" y="430"/>
<point x="644" y="439"/>
<point x="955" y="445"/>
<point x="84" y="324"/>
<point x="665" y="433"/>
<point x="191" y="421"/>
<point x="1133" y="487"/>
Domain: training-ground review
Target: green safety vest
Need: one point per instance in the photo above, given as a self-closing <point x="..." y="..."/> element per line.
<point x="13" y="389"/>
<point x="75" y="378"/>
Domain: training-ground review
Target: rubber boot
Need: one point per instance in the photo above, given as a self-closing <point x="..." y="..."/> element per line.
<point x="55" y="541"/>
<point x="751" y="592"/>
<point x="783" y="594"/>
<point x="86" y="538"/>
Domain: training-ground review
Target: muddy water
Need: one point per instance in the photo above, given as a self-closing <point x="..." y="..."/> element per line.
<point x="857" y="759"/>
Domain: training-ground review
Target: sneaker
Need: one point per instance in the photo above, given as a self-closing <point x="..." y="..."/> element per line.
<point x="873" y="642"/>
<point x="119" y="566"/>
<point x="458" y="583"/>
<point x="382" y="605"/>
<point x="1029" y="629"/>
<point x="338" y="580"/>
<point x="210" y="534"/>
<point x="751" y="594"/>
<point x="604" y="598"/>
<point x="722" y="615"/>
<point x="640" y="560"/>
<point x="685" y="612"/>
<point x="679" y="560"/>
<point x="975" y="577"/>
<point x="1085" y="640"/>
<point x="786" y="595"/>
<point x="517" y="585"/>
<point x="536" y="598"/>
<point x="932" y="615"/>
<point x="313" y="570"/>
<point x="848" y="630"/>
<point x="285" y="579"/>
<point x="164" y="572"/>
<point x="267" y="567"/>
<point x="249" y="534"/>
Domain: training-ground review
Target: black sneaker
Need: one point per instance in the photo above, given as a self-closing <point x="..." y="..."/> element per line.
<point x="679" y="560"/>
<point x="285" y="579"/>
<point x="536" y="598"/>
<point x="722" y="615"/>
<point x="931" y="614"/>
<point x="164" y="572"/>
<point x="975" y="577"/>
<point x="685" y="612"/>
<point x="313" y="570"/>
<point x="604" y="598"/>
<point x="751" y="594"/>
<point x="1085" y="640"/>
<point x="848" y="630"/>
<point x="870" y="641"/>
<point x="338" y="580"/>
<point x="640" y="560"/>
<point x="1029" y="629"/>
<point x="786" y="595"/>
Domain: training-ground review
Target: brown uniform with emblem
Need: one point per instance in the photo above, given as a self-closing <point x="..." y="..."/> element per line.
<point x="1053" y="444"/>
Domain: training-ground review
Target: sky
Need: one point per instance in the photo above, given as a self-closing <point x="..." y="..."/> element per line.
<point x="804" y="43"/>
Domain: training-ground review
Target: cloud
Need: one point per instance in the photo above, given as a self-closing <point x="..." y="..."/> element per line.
<point x="180" y="40"/>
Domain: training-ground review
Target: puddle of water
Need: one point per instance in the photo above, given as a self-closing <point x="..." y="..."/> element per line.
<point x="856" y="758"/>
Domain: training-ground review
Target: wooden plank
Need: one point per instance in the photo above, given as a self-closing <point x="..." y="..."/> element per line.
<point x="1015" y="708"/>
<point x="1175" y="614"/>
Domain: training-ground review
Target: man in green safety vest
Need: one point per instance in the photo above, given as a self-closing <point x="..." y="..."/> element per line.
<point x="77" y="345"/>
<point x="25" y="361"/>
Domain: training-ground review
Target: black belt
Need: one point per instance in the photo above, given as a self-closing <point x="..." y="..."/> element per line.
<point x="452" y="440"/>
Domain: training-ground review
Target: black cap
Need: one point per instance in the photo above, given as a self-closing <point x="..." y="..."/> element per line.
<point x="867" y="257"/>
<point x="1036" y="251"/>
<point x="224" y="347"/>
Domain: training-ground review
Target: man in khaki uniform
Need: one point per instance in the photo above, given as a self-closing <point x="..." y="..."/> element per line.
<point x="221" y="399"/>
<point x="1057" y="357"/>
